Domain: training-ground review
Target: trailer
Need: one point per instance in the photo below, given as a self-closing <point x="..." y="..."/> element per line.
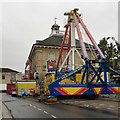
<point x="25" y="87"/>
<point x="10" y="86"/>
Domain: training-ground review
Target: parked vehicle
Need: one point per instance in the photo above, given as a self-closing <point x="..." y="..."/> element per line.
<point x="25" y="87"/>
<point x="10" y="86"/>
<point x="14" y="92"/>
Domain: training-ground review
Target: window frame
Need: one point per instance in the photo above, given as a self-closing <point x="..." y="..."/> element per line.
<point x="3" y="76"/>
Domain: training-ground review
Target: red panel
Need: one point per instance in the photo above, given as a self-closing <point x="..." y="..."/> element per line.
<point x="63" y="92"/>
<point x="113" y="90"/>
<point x="9" y="87"/>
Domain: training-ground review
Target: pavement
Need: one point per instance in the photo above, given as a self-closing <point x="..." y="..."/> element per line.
<point x="104" y="105"/>
<point x="111" y="97"/>
<point x="4" y="111"/>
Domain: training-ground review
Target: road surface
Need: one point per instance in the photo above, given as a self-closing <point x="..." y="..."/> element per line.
<point x="26" y="108"/>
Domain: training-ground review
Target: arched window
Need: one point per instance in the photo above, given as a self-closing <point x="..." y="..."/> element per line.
<point x="51" y="56"/>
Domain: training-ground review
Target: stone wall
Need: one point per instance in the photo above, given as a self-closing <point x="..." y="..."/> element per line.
<point x="40" y="54"/>
<point x="8" y="77"/>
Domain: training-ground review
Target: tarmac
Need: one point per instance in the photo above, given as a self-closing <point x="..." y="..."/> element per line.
<point x="107" y="105"/>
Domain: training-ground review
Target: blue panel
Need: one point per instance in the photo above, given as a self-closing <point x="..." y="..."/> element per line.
<point x="105" y="90"/>
<point x="90" y="91"/>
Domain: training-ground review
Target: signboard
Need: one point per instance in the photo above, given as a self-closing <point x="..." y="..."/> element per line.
<point x="51" y="66"/>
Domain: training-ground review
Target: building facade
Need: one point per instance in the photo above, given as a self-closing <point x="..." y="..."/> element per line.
<point x="49" y="49"/>
<point x="8" y="75"/>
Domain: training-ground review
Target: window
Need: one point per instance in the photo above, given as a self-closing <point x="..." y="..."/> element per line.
<point x="44" y="66"/>
<point x="51" y="56"/>
<point x="56" y="28"/>
<point x="13" y="76"/>
<point x="3" y="76"/>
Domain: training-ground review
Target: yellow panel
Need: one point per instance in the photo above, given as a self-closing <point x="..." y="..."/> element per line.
<point x="102" y="76"/>
<point x="65" y="80"/>
<point x="117" y="88"/>
<point x="79" y="78"/>
<point x="48" y="79"/>
<point x="97" y="90"/>
<point x="37" y="89"/>
<point x="108" y="77"/>
<point x="71" y="90"/>
<point x="91" y="76"/>
<point x="84" y="81"/>
<point x="26" y="86"/>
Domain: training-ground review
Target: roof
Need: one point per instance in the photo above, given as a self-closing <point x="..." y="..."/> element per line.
<point x="8" y="70"/>
<point x="55" y="25"/>
<point x="55" y="40"/>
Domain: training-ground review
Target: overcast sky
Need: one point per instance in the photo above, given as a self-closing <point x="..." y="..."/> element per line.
<point x="25" y="22"/>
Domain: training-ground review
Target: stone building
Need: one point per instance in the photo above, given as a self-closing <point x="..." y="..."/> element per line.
<point x="8" y="75"/>
<point x="49" y="48"/>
